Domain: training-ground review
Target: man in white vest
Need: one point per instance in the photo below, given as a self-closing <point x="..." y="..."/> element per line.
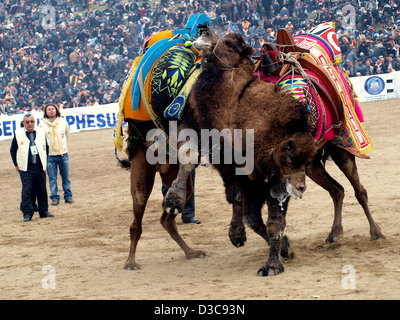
<point x="29" y="155"/>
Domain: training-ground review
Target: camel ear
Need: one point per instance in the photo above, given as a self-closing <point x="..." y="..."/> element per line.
<point x="249" y="51"/>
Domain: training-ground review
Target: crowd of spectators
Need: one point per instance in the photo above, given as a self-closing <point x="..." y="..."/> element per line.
<point x="77" y="53"/>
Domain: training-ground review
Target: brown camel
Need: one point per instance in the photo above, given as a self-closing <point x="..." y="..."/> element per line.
<point x="287" y="154"/>
<point x="343" y="158"/>
<point x="333" y="105"/>
<point x="229" y="98"/>
<point x="142" y="181"/>
<point x="316" y="171"/>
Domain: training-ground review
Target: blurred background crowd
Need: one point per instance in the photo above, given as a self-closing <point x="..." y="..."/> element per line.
<point x="78" y="53"/>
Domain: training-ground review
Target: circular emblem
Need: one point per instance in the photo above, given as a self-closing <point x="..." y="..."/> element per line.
<point x="374" y="85"/>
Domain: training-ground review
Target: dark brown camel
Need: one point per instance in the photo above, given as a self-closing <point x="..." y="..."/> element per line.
<point x="346" y="162"/>
<point x="228" y="97"/>
<point x="317" y="172"/>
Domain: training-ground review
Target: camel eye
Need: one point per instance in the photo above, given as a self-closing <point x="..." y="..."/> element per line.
<point x="229" y="45"/>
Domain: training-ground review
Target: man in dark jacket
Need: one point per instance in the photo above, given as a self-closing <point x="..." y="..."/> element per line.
<point x="29" y="152"/>
<point x="360" y="67"/>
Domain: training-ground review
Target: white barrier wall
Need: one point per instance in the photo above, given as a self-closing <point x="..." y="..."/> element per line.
<point x="377" y="87"/>
<point x="79" y="119"/>
<point x="368" y="88"/>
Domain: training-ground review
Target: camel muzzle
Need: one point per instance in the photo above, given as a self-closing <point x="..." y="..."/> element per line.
<point x="296" y="184"/>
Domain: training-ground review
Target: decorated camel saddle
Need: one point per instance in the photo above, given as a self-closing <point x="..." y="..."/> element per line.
<point x="309" y="67"/>
<point x="160" y="80"/>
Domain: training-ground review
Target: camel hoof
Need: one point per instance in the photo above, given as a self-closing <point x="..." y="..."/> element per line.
<point x="377" y="237"/>
<point x="237" y="235"/>
<point x="336" y="233"/>
<point x="333" y="237"/>
<point x="240" y="243"/>
<point x="196" y="254"/>
<point x="131" y="266"/>
<point x="171" y="205"/>
<point x="271" y="269"/>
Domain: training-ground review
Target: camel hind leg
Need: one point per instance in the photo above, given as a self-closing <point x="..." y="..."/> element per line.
<point x="168" y="222"/>
<point x="142" y="181"/>
<point x="318" y="174"/>
<point x="347" y="164"/>
<point x="167" y="219"/>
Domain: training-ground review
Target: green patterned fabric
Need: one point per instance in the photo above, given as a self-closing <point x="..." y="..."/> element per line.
<point x="169" y="75"/>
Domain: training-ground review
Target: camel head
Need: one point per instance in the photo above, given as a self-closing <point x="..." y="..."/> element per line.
<point x="229" y="51"/>
<point x="292" y="156"/>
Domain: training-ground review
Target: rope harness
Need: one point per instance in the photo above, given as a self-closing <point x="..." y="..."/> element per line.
<point x="227" y="66"/>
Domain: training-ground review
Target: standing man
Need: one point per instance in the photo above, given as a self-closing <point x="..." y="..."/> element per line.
<point x="57" y="131"/>
<point x="29" y="155"/>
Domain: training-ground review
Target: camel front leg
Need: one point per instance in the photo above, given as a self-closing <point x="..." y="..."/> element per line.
<point x="275" y="227"/>
<point x="237" y="230"/>
<point x="276" y="224"/>
<point x="176" y="197"/>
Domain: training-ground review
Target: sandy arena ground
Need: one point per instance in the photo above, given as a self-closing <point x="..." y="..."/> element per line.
<point x="87" y="243"/>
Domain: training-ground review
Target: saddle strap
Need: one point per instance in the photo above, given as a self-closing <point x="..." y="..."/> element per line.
<point x="334" y="103"/>
<point x="337" y="123"/>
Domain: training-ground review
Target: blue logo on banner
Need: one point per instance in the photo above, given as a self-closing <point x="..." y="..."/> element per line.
<point x="374" y="85"/>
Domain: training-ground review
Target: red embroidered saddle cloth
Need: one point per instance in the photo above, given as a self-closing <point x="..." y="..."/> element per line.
<point x="335" y="103"/>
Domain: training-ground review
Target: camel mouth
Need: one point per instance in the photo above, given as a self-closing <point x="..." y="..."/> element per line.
<point x="202" y="44"/>
<point x="285" y="189"/>
<point x="294" y="192"/>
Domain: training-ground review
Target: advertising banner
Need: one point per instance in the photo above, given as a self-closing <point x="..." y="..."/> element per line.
<point x="79" y="119"/>
<point x="377" y="87"/>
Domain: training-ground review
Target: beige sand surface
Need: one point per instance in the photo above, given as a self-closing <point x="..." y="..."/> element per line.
<point x="87" y="243"/>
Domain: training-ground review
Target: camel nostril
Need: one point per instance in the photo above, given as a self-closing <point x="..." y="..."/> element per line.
<point x="302" y="187"/>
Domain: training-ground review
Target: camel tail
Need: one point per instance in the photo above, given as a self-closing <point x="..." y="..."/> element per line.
<point x="124" y="163"/>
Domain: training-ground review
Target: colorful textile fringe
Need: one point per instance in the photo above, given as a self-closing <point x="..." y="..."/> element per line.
<point x="117" y="137"/>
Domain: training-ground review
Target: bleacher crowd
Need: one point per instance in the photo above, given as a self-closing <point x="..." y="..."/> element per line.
<point x="84" y="57"/>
